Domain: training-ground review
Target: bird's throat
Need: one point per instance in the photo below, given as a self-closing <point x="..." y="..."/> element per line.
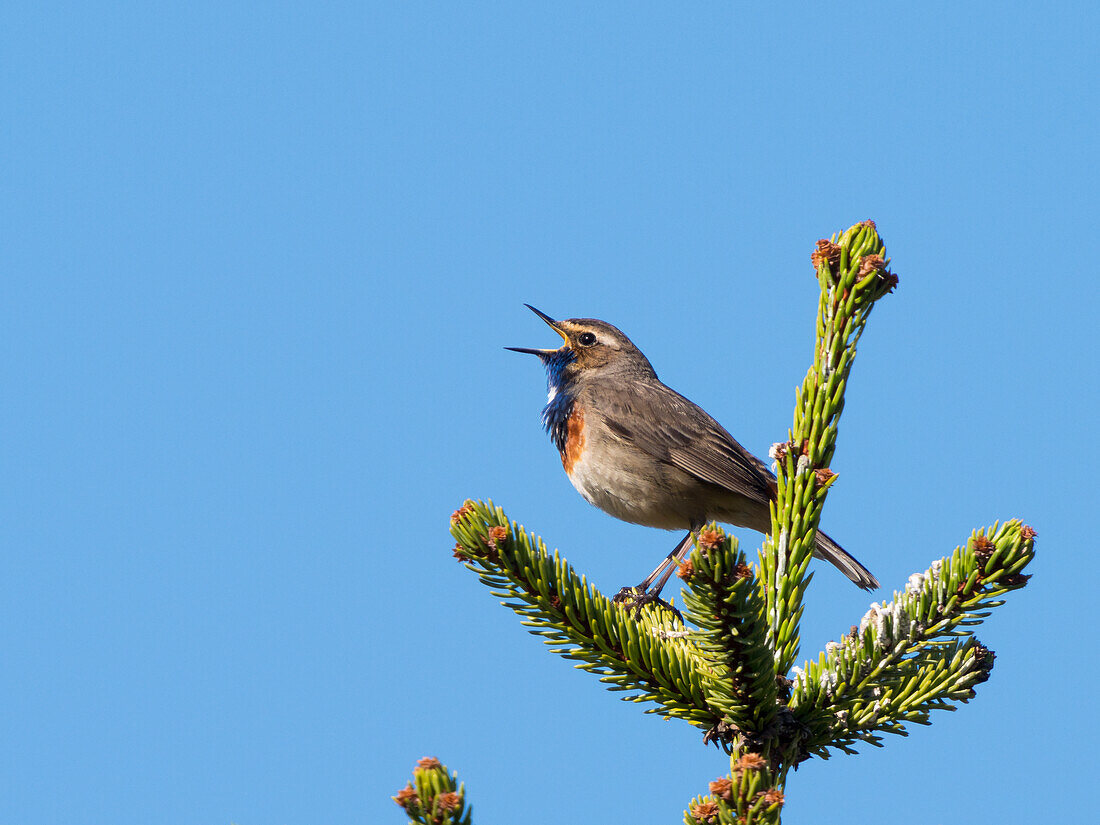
<point x="559" y="396"/>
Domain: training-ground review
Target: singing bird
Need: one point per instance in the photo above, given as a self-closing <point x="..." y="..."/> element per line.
<point x="643" y="453"/>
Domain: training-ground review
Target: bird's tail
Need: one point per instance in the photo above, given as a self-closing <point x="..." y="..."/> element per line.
<point x="826" y="548"/>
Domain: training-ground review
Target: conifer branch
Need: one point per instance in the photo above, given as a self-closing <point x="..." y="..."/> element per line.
<point x="724" y="603"/>
<point x="652" y="657"/>
<point x="750" y="795"/>
<point x="910" y="656"/>
<point x="434" y="797"/>
<point x="852" y="272"/>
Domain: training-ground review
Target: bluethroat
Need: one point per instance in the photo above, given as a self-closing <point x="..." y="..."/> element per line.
<point x="645" y="454"/>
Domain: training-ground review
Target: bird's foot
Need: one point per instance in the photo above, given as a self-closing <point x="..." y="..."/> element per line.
<point x="634" y="599"/>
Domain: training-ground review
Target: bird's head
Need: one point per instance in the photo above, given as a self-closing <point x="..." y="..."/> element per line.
<point x="590" y="347"/>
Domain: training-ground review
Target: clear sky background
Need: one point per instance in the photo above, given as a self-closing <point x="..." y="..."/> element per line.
<point x="260" y="264"/>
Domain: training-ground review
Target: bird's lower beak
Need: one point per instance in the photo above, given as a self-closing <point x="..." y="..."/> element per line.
<point x="552" y="324"/>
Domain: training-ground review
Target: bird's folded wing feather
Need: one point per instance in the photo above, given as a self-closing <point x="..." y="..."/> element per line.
<point x="679" y="432"/>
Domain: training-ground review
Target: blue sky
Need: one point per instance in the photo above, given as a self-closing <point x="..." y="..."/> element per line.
<point x="260" y="265"/>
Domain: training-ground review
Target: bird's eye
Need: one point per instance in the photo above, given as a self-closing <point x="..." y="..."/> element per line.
<point x="586" y="339"/>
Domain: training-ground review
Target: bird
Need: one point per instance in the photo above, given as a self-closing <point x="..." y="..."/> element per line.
<point x="643" y="453"/>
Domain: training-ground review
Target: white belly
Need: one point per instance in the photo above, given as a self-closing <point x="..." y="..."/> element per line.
<point x="627" y="494"/>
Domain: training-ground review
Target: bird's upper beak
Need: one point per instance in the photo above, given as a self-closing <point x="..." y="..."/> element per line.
<point x="552" y="324"/>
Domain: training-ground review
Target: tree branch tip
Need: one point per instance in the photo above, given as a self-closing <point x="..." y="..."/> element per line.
<point x="710" y="539"/>
<point x="826" y="253"/>
<point x="686" y="570"/>
<point x="462" y="512"/>
<point x="750" y="762"/>
<point x="875" y="264"/>
<point x="433" y="796"/>
<point x="983" y="659"/>
<point x="705" y="811"/>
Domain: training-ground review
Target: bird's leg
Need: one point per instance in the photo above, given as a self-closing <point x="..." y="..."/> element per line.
<point x="671" y="565"/>
<point x="645" y="593"/>
<point x="671" y="560"/>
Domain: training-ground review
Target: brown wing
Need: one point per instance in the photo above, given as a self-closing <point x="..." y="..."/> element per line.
<point x="668" y="427"/>
<point x="672" y="429"/>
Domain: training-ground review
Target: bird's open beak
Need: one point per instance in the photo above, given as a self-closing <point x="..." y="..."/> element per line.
<point x="552" y="324"/>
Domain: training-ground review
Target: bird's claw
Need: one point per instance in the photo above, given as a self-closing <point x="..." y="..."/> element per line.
<point x="634" y="599"/>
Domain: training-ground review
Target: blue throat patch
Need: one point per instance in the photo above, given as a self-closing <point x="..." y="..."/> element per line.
<point x="555" y="415"/>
